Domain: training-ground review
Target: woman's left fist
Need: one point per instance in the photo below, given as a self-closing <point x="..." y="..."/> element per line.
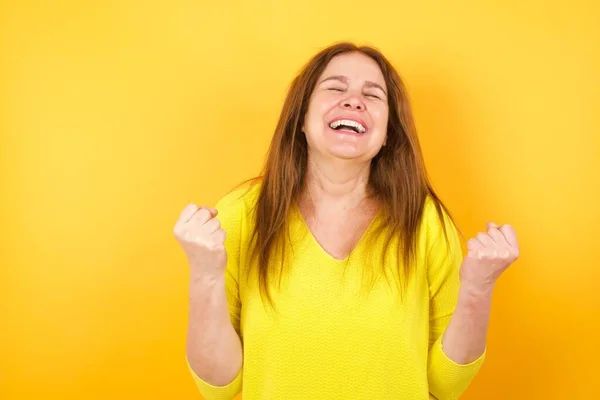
<point x="490" y="254"/>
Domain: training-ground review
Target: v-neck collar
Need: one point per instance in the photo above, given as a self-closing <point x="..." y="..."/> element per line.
<point x="305" y="229"/>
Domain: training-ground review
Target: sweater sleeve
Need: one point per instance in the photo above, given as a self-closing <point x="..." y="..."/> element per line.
<point x="231" y="215"/>
<point x="447" y="379"/>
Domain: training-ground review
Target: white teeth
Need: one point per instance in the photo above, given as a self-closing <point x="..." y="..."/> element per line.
<point x="348" y="122"/>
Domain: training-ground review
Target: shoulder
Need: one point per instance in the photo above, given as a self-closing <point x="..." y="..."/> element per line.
<point x="239" y="202"/>
<point x="438" y="230"/>
<point x="434" y="215"/>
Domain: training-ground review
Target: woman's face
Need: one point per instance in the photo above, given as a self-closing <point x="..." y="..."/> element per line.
<point x="348" y="111"/>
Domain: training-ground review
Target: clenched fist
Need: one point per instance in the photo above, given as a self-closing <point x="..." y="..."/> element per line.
<point x="203" y="241"/>
<point x="490" y="254"/>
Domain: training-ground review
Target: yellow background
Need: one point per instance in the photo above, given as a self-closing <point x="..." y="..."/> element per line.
<point x="115" y="114"/>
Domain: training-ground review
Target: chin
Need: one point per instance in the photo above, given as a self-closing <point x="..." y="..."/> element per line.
<point x="348" y="153"/>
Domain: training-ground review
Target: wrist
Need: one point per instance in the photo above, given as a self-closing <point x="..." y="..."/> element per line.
<point x="470" y="292"/>
<point x="204" y="289"/>
<point x="206" y="280"/>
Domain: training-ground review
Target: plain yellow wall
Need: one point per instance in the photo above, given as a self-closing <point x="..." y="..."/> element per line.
<point x="115" y="114"/>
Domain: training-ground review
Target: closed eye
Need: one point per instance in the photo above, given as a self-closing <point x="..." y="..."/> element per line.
<point x="336" y="89"/>
<point x="373" y="96"/>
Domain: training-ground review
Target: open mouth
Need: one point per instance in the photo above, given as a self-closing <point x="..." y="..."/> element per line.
<point x="348" y="126"/>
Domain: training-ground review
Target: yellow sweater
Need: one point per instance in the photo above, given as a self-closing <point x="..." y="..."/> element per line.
<point x="331" y="339"/>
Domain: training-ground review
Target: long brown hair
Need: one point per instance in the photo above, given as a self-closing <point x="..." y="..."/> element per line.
<point x="398" y="178"/>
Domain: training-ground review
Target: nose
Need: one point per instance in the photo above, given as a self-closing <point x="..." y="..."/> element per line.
<point x="353" y="103"/>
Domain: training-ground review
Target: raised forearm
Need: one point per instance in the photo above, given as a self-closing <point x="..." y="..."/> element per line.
<point x="214" y="349"/>
<point x="490" y="254"/>
<point x="464" y="340"/>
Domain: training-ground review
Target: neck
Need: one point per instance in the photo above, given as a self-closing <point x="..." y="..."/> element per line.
<point x="339" y="183"/>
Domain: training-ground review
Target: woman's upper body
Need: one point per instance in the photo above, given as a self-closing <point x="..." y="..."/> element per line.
<point x="333" y="332"/>
<point x="344" y="273"/>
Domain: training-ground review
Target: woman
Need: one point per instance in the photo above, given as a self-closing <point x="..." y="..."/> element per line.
<point x="342" y="273"/>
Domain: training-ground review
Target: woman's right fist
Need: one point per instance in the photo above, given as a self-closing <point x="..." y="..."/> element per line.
<point x="199" y="233"/>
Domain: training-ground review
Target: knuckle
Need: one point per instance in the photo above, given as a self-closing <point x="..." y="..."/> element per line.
<point x="187" y="209"/>
<point x="202" y="212"/>
<point x="206" y="214"/>
<point x="516" y="253"/>
<point x="177" y="231"/>
<point x="200" y="242"/>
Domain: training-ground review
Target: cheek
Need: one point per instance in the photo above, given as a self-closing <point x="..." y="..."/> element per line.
<point x="313" y="121"/>
<point x="380" y="118"/>
<point x="311" y="112"/>
<point x="381" y="113"/>
<point x="319" y="106"/>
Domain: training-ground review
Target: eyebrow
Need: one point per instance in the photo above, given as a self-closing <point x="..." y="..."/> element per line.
<point x="343" y="79"/>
